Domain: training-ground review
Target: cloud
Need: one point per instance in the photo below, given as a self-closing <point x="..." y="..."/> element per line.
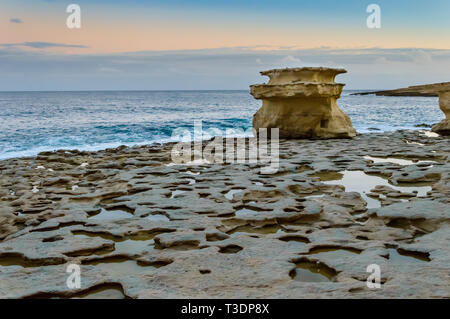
<point x="290" y="58"/>
<point x="15" y="20"/>
<point x="222" y="68"/>
<point x="43" y="45"/>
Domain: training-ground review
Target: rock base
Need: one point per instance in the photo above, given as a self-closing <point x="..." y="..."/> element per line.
<point x="296" y="119"/>
<point x="443" y="128"/>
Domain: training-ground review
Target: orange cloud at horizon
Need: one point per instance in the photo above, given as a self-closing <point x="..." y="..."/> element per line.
<point x="104" y="35"/>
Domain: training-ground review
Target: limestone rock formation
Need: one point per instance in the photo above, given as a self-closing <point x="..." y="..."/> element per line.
<point x="302" y="103"/>
<point x="415" y="90"/>
<point x="443" y="127"/>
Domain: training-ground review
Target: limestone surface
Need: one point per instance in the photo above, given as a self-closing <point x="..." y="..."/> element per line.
<point x="139" y="227"/>
<point x="302" y="103"/>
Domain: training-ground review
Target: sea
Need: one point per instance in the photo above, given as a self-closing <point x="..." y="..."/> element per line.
<point x="33" y="122"/>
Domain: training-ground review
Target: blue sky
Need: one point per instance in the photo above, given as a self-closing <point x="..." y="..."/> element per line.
<point x="205" y="44"/>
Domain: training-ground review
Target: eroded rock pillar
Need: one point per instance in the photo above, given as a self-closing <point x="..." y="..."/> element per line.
<point x="443" y="127"/>
<point x="302" y="103"/>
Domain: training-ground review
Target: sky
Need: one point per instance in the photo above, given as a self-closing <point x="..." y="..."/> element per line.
<point x="205" y="44"/>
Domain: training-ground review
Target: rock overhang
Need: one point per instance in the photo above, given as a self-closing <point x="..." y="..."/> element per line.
<point x="266" y="91"/>
<point x="303" y="74"/>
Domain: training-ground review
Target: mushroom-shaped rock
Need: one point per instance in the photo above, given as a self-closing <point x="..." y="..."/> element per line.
<point x="302" y="103"/>
<point x="443" y="127"/>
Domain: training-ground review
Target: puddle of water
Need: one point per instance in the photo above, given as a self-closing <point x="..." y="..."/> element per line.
<point x="158" y="218"/>
<point x="271" y="229"/>
<point x="105" y="292"/>
<point x="315" y="196"/>
<point x="295" y="242"/>
<point x="13" y="261"/>
<point x="176" y="193"/>
<point x="358" y="181"/>
<point x="245" y="212"/>
<point x="133" y="246"/>
<point x="395" y="160"/>
<point x="230" y="194"/>
<point x="230" y="249"/>
<point x="402" y="257"/>
<point x="312" y="272"/>
<point x="111" y="214"/>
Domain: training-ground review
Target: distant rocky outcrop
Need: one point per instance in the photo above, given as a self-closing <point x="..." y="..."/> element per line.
<point x="302" y="103"/>
<point x="416" y="90"/>
<point x="438" y="89"/>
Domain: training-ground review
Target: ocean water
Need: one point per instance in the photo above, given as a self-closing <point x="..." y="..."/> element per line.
<point x="32" y="122"/>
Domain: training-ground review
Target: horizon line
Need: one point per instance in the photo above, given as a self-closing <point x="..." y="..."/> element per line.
<point x="166" y="90"/>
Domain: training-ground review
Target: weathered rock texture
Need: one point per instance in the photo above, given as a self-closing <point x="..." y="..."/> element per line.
<point x="302" y="103"/>
<point x="443" y="127"/>
<point x="415" y="90"/>
<point x="142" y="229"/>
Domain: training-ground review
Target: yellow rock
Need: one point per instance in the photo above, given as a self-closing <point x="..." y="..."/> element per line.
<point x="302" y="103"/>
<point x="443" y="127"/>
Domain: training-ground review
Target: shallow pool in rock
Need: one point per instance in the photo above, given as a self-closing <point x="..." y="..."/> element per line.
<point x="306" y="271"/>
<point x="134" y="244"/>
<point x="111" y="214"/>
<point x="269" y="229"/>
<point x="230" y="194"/>
<point x="104" y="292"/>
<point x="397" y="160"/>
<point x="175" y="193"/>
<point x="119" y="267"/>
<point x="247" y="212"/>
<point x="358" y="181"/>
<point x="296" y="242"/>
<point x="406" y="257"/>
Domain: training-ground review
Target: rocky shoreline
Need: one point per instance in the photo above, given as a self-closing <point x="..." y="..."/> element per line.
<point x="415" y="90"/>
<point x="141" y="228"/>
